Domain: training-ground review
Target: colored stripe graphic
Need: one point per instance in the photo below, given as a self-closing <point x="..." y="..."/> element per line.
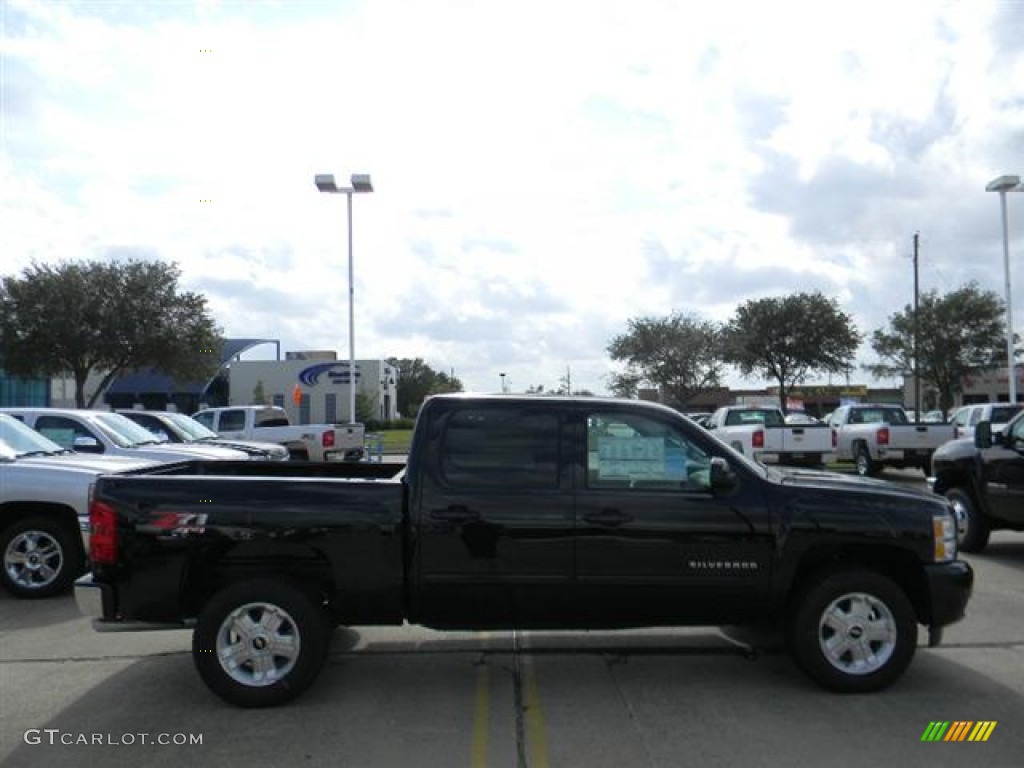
<point x="982" y="730"/>
<point x="959" y="730"/>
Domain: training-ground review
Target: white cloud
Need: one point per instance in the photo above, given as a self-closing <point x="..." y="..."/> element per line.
<point x="542" y="171"/>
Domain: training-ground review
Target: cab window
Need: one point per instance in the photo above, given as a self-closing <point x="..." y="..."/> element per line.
<point x="514" y="448"/>
<point x="636" y="451"/>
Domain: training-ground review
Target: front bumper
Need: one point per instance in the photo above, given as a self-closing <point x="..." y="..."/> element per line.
<point x="949" y="588"/>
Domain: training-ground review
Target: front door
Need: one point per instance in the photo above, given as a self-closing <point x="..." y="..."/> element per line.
<point x="655" y="545"/>
<point x="1004" y="474"/>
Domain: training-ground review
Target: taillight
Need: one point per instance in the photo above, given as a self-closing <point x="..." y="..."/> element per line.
<point x="327" y="439"/>
<point x="758" y="438"/>
<point x="103" y="533"/>
<point x="835" y="439"/>
<point x="883" y="436"/>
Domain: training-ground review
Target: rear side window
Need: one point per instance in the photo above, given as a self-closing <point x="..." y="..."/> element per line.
<point x="1004" y="413"/>
<point x="232" y="420"/>
<point x="206" y="419"/>
<point x="500" y="448"/>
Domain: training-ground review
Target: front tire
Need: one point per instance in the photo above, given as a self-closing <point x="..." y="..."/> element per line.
<point x="41" y="557"/>
<point x="260" y="643"/>
<point x="853" y="631"/>
<point x="972" y="529"/>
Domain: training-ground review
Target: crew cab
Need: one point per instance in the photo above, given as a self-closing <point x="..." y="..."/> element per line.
<point x="110" y="434"/>
<point x="44" y="499"/>
<point x="171" y="427"/>
<point x="875" y="436"/>
<point x="308" y="442"/>
<point x="983" y="477"/>
<point x="522" y="513"/>
<point x="762" y="433"/>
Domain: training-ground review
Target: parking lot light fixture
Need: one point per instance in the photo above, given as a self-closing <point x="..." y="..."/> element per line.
<point x="1002" y="185"/>
<point x="360" y="182"/>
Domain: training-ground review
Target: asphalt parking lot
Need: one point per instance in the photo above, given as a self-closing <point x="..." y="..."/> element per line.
<point x="411" y="697"/>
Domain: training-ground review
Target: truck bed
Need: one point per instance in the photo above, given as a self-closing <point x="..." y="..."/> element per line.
<point x="339" y="471"/>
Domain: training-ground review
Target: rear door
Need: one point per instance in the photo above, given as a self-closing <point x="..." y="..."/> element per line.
<point x="494" y="506"/>
<point x="655" y="545"/>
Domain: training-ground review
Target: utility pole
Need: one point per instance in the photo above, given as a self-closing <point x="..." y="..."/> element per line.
<point x="917" y="375"/>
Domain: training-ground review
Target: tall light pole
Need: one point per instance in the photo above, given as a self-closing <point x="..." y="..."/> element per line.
<point x="1002" y="185"/>
<point x="360" y="183"/>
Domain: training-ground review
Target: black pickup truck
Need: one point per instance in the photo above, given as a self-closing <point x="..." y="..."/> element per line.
<point x="522" y="513"/>
<point x="983" y="477"/>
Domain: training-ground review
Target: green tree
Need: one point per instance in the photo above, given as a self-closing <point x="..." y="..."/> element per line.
<point x="78" y="318"/>
<point x="259" y="395"/>
<point x="680" y="355"/>
<point x="959" y="334"/>
<point x="786" y="339"/>
<point x="366" y="408"/>
<point x="417" y="381"/>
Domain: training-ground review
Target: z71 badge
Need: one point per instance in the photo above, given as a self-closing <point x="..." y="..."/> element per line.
<point x="176" y="524"/>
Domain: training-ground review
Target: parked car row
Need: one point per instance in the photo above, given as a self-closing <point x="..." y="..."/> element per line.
<point x="49" y="460"/>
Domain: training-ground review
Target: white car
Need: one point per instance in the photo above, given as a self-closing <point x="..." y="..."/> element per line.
<point x="44" y="515"/>
<point x="111" y="434"/>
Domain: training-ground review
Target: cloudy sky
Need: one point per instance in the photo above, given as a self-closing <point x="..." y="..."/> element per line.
<point x="543" y="171"/>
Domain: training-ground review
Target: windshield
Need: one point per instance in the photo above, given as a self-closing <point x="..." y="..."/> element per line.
<point x="17" y="440"/>
<point x="124" y="432"/>
<point x="192" y="428"/>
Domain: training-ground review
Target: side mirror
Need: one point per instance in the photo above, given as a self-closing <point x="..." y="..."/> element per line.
<point x="723" y="479"/>
<point x="87" y="444"/>
<point x="983" y="436"/>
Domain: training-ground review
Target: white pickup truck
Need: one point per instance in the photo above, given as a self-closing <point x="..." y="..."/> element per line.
<point x="44" y="515"/>
<point x="875" y="436"/>
<point x="305" y="442"/>
<point x="762" y="433"/>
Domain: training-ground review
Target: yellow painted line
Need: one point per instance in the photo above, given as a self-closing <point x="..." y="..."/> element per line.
<point x="481" y="715"/>
<point x="535" y="732"/>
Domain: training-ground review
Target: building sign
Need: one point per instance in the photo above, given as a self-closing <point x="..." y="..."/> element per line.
<point x="336" y="373"/>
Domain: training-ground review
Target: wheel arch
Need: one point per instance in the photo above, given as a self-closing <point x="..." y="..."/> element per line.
<point x="901" y="566"/>
<point x="301" y="565"/>
<point x="13" y="511"/>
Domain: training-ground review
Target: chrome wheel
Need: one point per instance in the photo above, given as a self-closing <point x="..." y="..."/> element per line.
<point x="258" y="644"/>
<point x="33" y="560"/>
<point x="857" y="633"/>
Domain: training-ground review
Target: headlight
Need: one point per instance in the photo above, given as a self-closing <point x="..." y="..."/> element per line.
<point x="944" y="536"/>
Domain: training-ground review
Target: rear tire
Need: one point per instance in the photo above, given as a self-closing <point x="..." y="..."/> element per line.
<point x="41" y="557"/>
<point x="866" y="466"/>
<point x="260" y="643"/>
<point x="853" y="631"/>
<point x="972" y="529"/>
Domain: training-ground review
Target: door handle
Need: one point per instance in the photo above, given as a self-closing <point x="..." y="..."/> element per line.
<point x="607" y="517"/>
<point x="455" y="514"/>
